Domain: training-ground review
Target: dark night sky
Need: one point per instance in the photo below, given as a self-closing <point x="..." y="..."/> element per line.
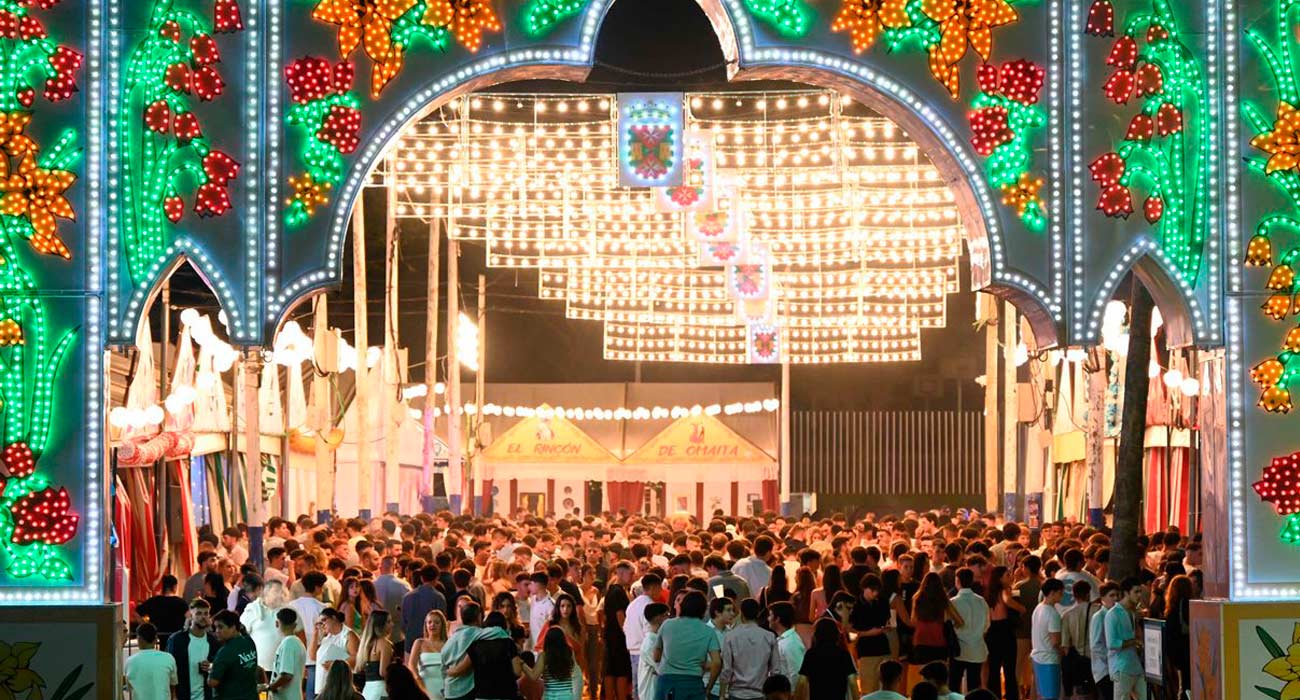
<point x="530" y="340"/>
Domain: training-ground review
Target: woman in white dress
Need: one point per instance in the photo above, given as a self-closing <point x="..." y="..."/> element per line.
<point x="425" y="660"/>
<point x="334" y="642"/>
<point x="259" y="619"/>
<point x="374" y="654"/>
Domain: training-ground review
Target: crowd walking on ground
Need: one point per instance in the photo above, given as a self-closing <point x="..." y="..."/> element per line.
<point x="929" y="606"/>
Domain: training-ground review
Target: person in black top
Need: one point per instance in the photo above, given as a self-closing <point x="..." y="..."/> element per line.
<point x="870" y="619"/>
<point x="618" y="662"/>
<point x="827" y="672"/>
<point x="496" y="663"/>
<point x="165" y="612"/>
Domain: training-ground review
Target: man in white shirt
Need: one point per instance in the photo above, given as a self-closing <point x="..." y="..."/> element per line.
<point x="149" y="673"/>
<point x="290" y="659"/>
<point x="1045" y="637"/>
<point x="788" y="643"/>
<point x="753" y="568"/>
<point x="540" y="605"/>
<point x="193" y="648"/>
<point x="974" y="614"/>
<point x="308" y="608"/>
<point x="635" y="625"/>
<point x="275" y="566"/>
<point x="1097" y="641"/>
<point x="235" y="551"/>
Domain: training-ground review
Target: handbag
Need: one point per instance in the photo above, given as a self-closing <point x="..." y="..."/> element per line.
<point x="950" y="639"/>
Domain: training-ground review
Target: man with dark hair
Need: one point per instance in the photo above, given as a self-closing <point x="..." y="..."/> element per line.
<point x="459" y="676"/>
<point x="1124" y="664"/>
<point x="1073" y="560"/>
<point x="208" y="564"/>
<point x="635" y="625"/>
<point x="777" y="687"/>
<point x="275" y="566"/>
<point x="1097" y="647"/>
<point x="891" y="680"/>
<point x="722" y="582"/>
<point x="780" y="617"/>
<point x="754" y="568"/>
<point x="540" y="605"/>
<point x="1028" y="584"/>
<point x="852" y="576"/>
<point x="417" y="605"/>
<point x="166" y="612"/>
<point x="1046" y="637"/>
<point x="234" y="551"/>
<point x="309" y="607"/>
<point x="150" y="674"/>
<point x="974" y="614"/>
<point x="749" y="655"/>
<point x="687" y="632"/>
<point x="194" y="648"/>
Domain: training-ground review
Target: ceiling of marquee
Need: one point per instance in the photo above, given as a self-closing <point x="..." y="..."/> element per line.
<point x="839" y="236"/>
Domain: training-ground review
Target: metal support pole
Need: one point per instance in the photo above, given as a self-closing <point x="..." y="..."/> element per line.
<point x="995" y="487"/>
<point x="455" y="442"/>
<point x="365" y="473"/>
<point x="392" y="364"/>
<point x="253" y="455"/>
<point x="1095" y="369"/>
<point x="480" y="388"/>
<point x="785" y="430"/>
<point x="160" y="467"/>
<point x="323" y="423"/>
<point x="431" y="362"/>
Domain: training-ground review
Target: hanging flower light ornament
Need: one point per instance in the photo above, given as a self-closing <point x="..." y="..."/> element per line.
<point x="866" y="19"/>
<point x="369" y="24"/>
<point x="963" y="23"/>
<point x="466" y="19"/>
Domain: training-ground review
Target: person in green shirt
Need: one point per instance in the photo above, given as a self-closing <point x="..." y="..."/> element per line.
<point x="687" y="646"/>
<point x="235" y="674"/>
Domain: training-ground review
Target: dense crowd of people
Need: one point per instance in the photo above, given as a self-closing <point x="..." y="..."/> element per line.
<point x="930" y="606"/>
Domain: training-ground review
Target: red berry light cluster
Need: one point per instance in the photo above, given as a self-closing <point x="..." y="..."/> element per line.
<point x="1279" y="484"/>
<point x="42" y="516"/>
<point x="19" y="460"/>
<point x="328" y="115"/>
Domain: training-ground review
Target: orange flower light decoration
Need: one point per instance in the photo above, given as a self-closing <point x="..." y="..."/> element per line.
<point x="1267" y="373"/>
<point x="1023" y="193"/>
<point x="14" y="140"/>
<point x="1292" y="342"/>
<point x="1259" y="252"/>
<point x="466" y="19"/>
<point x="38" y="194"/>
<point x="1283" y="142"/>
<point x="866" y="19"/>
<point x="963" y="23"/>
<point x="1275" y="399"/>
<point x="1281" y="278"/>
<point x="10" y="333"/>
<point x="368" y="23"/>
<point x="310" y="192"/>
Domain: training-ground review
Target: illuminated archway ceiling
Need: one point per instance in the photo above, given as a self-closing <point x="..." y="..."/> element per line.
<point x="856" y="230"/>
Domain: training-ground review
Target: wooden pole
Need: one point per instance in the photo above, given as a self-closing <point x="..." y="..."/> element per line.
<point x="455" y="442"/>
<point x="393" y="418"/>
<point x="1132" y="432"/>
<point x="1098" y="378"/>
<point x="431" y="360"/>
<point x="365" y="474"/>
<point x="994" y="486"/>
<point x="324" y="423"/>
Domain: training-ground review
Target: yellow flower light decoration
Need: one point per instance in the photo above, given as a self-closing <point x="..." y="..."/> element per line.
<point x="1267" y="373"/>
<point x="368" y="23"/>
<point x="866" y="19"/>
<point x="311" y="193"/>
<point x="10" y="333"/>
<point x="1276" y="399"/>
<point x="1259" y="252"/>
<point x="17" y="679"/>
<point x="38" y="194"/>
<point x="963" y="23"/>
<point x="1281" y="278"/>
<point x="1283" y="142"/>
<point x="1292" y="342"/>
<point x="466" y="19"/>
<point x="1286" y="668"/>
<point x="1023" y="193"/>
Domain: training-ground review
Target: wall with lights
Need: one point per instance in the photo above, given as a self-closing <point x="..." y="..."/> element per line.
<point x="1082" y="139"/>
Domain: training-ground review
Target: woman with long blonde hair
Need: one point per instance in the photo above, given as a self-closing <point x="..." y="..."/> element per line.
<point x="425" y="660"/>
<point x="374" y="654"/>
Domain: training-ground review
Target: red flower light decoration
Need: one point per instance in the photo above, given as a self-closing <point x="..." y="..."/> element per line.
<point x="1124" y="54"/>
<point x="312" y="78"/>
<point x="1116" y="201"/>
<point x="1142" y="128"/>
<point x="158" y="117"/>
<point x="226" y="18"/>
<point x="1169" y="120"/>
<point x="341" y="128"/>
<point x="1148" y="80"/>
<point x="174" y="208"/>
<point x="1119" y="87"/>
<point x="1107" y="169"/>
<point x="204" y="49"/>
<point x="208" y="84"/>
<point x="1101" y="19"/>
<point x="220" y="167"/>
<point x="187" y="127"/>
<point x="19" y="460"/>
<point x="211" y="199"/>
<point x="1279" y="484"/>
<point x="42" y="516"/>
<point x="989" y="129"/>
<point x="1153" y="209"/>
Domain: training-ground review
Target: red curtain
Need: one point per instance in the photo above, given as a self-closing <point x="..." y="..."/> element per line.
<point x="1168" y="478"/>
<point x="487" y="496"/>
<point x="144" y="564"/>
<point x="625" y="495"/>
<point x="771" y="495"/>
